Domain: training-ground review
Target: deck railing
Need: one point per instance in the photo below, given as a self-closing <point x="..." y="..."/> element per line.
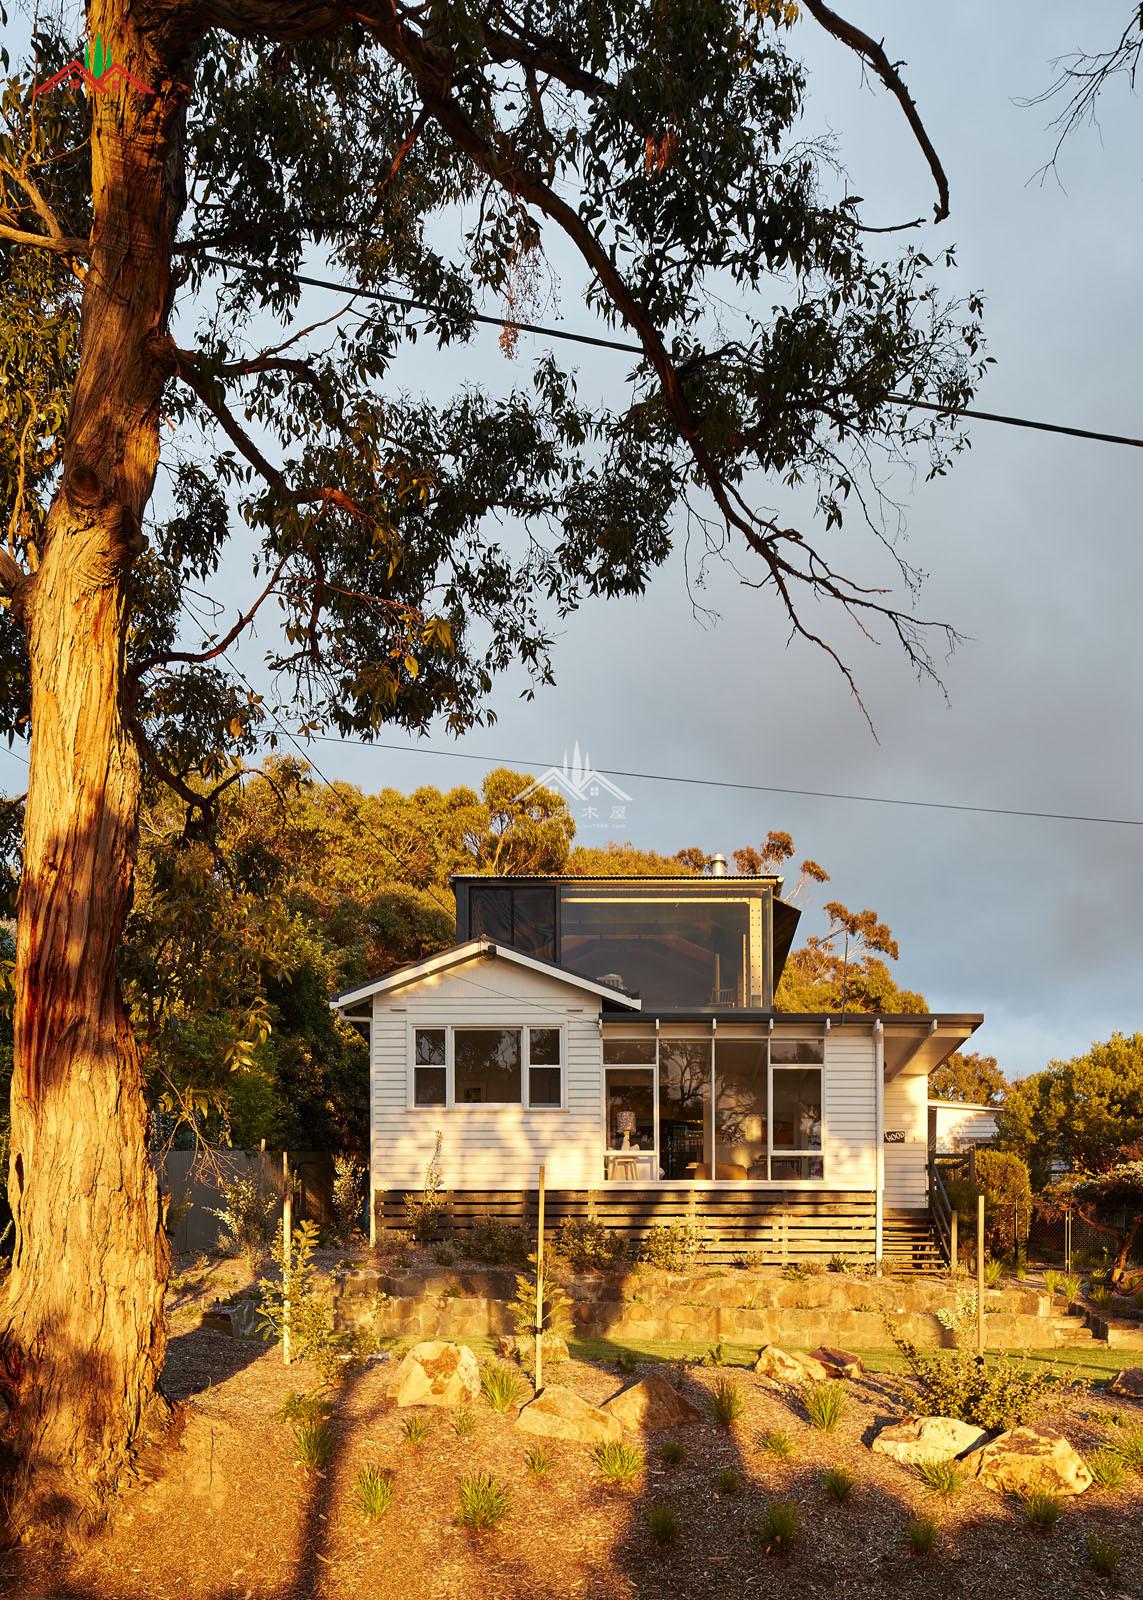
<point x="941" y="1208"/>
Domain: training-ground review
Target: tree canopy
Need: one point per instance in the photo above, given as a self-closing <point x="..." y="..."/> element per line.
<point x="1079" y="1114"/>
<point x="968" y="1076"/>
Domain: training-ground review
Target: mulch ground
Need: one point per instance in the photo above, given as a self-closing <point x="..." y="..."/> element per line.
<point x="222" y="1511"/>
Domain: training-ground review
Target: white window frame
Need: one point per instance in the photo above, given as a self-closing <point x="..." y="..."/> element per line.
<point x="485" y="1025"/>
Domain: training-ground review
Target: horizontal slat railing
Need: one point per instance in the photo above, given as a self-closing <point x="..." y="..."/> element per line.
<point x="780" y="1226"/>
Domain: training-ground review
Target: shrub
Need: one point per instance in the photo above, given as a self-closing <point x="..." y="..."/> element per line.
<point x="728" y="1481"/>
<point x="587" y="1246"/>
<point x="415" y="1429"/>
<point x="749" y="1260"/>
<point x="250" y="1215"/>
<point x="664" y="1523"/>
<point x="993" y="1272"/>
<point x="556" y="1311"/>
<point x="314" y="1443"/>
<point x="374" y="1492"/>
<point x="425" y="1212"/>
<point x="498" y="1243"/>
<point x="1042" y="1510"/>
<point x="1099" y="1295"/>
<point x="839" y="1263"/>
<point x="1070" y="1286"/>
<point x="922" y="1535"/>
<point x="956" y="1383"/>
<point x="825" y="1404"/>
<point x="483" y="1502"/>
<point x="1103" y="1553"/>
<point x="627" y="1361"/>
<point x="310" y="1314"/>
<point x="671" y="1246"/>
<point x="778" y="1527"/>
<point x="777" y="1443"/>
<point x="941" y="1476"/>
<point x="715" y="1356"/>
<point x="446" y="1255"/>
<point x="726" y="1401"/>
<point x="1053" y="1281"/>
<point x="672" y="1453"/>
<point x="1107" y="1467"/>
<point x="795" y="1272"/>
<point x="502" y="1385"/>
<point x="304" y="1408"/>
<point x="539" y="1460"/>
<point x="464" y="1423"/>
<point x="618" y="1461"/>
<point x="348" y="1195"/>
<point x="838" y="1483"/>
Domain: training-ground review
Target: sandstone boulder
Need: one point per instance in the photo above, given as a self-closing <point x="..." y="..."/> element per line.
<point x="437" y="1373"/>
<point x="927" y="1439"/>
<point x="1030" y="1458"/>
<point x="778" y="1367"/>
<point x="837" y="1363"/>
<point x="812" y="1368"/>
<point x="1128" y="1384"/>
<point x="558" y="1413"/>
<point x="652" y="1403"/>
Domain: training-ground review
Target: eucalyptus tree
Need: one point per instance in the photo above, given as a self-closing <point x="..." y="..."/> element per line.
<point x="161" y="207"/>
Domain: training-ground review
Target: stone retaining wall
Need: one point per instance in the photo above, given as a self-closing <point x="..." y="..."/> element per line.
<point x="738" y="1307"/>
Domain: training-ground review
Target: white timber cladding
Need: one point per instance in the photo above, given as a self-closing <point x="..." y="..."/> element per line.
<point x="906" y="1162"/>
<point x="487" y="1146"/>
<point x="850" y="1110"/>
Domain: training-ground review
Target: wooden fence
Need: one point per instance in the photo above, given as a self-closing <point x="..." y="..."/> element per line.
<point x="780" y="1226"/>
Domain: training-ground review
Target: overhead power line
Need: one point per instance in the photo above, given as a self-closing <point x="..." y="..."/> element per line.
<point x="533" y="765"/>
<point x="406" y="303"/>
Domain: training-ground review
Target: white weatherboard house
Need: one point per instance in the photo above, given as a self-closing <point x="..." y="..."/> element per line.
<point x="621" y="1032"/>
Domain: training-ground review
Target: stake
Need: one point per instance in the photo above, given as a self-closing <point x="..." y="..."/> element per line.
<point x="287" y="1234"/>
<point x="980" y="1275"/>
<point x="540" y="1289"/>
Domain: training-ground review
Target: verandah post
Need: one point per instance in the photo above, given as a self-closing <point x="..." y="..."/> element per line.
<point x="540" y="1286"/>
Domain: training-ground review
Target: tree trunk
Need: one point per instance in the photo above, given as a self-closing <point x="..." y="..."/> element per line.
<point x="83" y="1336"/>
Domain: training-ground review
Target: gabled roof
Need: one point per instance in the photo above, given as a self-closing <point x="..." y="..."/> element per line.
<point x="474" y="950"/>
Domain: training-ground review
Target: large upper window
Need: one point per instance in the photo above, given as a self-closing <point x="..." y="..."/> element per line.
<point x="488" y="1067"/>
<point x="522" y="915"/>
<point x="672" y="950"/>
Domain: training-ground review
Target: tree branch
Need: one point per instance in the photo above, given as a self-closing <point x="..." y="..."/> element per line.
<point x="198" y="657"/>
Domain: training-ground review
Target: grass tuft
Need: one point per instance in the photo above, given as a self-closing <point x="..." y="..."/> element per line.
<point x="922" y="1535"/>
<point x="942" y="1476"/>
<point x="618" y="1461"/>
<point x="664" y="1523"/>
<point x="304" y="1408"/>
<point x="483" y="1502"/>
<point x="1104" y="1553"/>
<point x="777" y="1443"/>
<point x="673" y="1453"/>
<point x="838" y="1483"/>
<point x="374" y="1492"/>
<point x="502" y="1386"/>
<point x="415" y="1429"/>
<point x="726" y="1401"/>
<point x="825" y="1404"/>
<point x="539" y="1460"/>
<point x="778" y="1527"/>
<point x="729" y="1481"/>
<point x="464" y="1423"/>
<point x="1042" y="1510"/>
<point x="313" y="1443"/>
<point x="1108" y="1468"/>
<point x="1128" y="1447"/>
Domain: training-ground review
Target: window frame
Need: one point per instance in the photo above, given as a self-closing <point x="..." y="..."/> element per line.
<point x="497" y="1024"/>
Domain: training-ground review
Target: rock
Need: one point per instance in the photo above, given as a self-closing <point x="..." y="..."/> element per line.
<point x="837" y="1363"/>
<point x="1030" y="1458"/>
<point x="811" y="1368"/>
<point x="927" y="1439"/>
<point x="437" y="1374"/>
<point x="558" y="1413"/>
<point x="1128" y="1383"/>
<point x="779" y="1368"/>
<point x="652" y="1403"/>
<point x="238" y="1320"/>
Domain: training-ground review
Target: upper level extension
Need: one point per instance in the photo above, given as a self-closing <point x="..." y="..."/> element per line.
<point x="679" y="944"/>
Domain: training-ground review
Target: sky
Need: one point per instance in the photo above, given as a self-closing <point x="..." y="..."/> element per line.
<point x="1031" y="550"/>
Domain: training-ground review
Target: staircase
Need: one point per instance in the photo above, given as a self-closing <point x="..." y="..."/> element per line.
<point x="908" y="1242"/>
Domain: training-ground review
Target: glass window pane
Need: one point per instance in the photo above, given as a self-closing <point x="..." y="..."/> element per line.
<point x="630" y="1109"/>
<point x="430" y="1050"/>
<point x="486" y="1066"/>
<point x="544" y="1047"/>
<point x="534" y="922"/>
<point x="684" y="1108"/>
<point x="740" y="1108"/>
<point x="798" y="1108"/>
<point x="490" y="914"/>
<point x="429" y="1086"/>
<point x="797" y="1050"/>
<point x="544" y="1086"/>
<point x="673" y="950"/>
<point x="789" y="1167"/>
<point x="636" y="1051"/>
